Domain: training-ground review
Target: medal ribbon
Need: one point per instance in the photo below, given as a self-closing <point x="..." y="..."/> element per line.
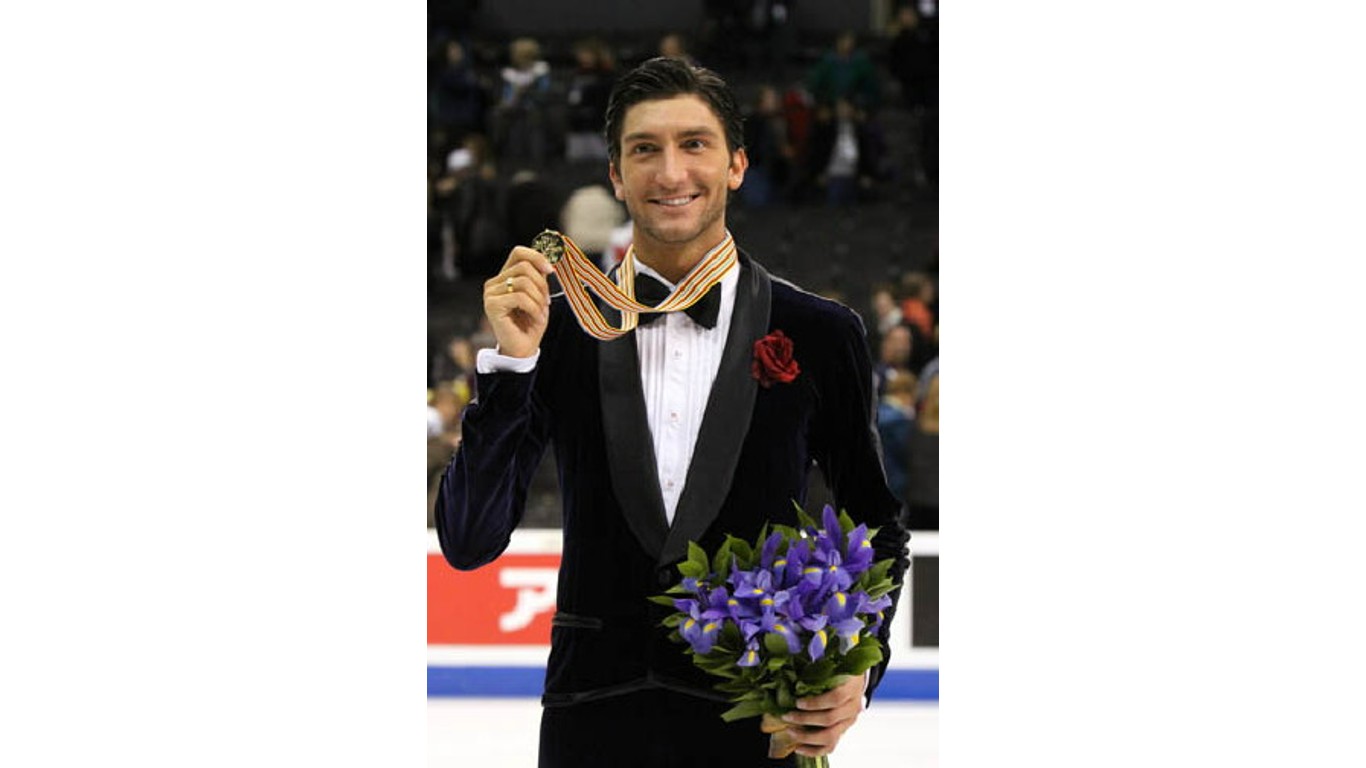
<point x="576" y="271"/>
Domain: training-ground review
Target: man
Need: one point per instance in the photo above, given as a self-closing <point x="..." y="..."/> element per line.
<point x="662" y="436"/>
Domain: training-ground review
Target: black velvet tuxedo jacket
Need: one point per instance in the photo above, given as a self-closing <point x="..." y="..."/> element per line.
<point x="753" y="454"/>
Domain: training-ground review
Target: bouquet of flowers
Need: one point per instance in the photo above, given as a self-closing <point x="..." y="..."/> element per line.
<point x="792" y="615"/>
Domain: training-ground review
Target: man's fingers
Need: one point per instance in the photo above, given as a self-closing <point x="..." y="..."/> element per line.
<point x="523" y="254"/>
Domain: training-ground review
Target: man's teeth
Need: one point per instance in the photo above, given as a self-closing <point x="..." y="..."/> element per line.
<point x="675" y="200"/>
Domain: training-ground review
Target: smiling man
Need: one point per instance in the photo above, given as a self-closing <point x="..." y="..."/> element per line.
<point x="695" y="425"/>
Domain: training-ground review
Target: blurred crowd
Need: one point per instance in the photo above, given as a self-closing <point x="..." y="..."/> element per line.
<point x="515" y="144"/>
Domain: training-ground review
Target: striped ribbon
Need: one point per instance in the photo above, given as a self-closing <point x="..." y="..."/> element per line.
<point x="576" y="271"/>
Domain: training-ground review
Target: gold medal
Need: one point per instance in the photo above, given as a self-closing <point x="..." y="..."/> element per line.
<point x="551" y="244"/>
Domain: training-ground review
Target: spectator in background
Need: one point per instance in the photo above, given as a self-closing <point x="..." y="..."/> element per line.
<point x="443" y="437"/>
<point x="895" y="424"/>
<point x="471" y="202"/>
<point x="594" y="74"/>
<point x="913" y="58"/>
<point x="917" y="297"/>
<point x="673" y="46"/>
<point x="885" y="309"/>
<point x="770" y="36"/>
<point x="923" y="486"/>
<point x="453" y="366"/>
<point x="845" y="73"/>
<point x="894" y="358"/>
<point x="521" y="127"/>
<point x="844" y="154"/>
<point x="770" y="153"/>
<point x="590" y="217"/>
<point x="458" y="101"/>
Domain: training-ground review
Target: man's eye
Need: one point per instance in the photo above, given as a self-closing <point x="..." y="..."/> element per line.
<point x="695" y="144"/>
<point x="641" y="149"/>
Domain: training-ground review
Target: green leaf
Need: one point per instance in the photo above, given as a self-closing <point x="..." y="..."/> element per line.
<point x="692" y="570"/>
<point x="846" y="523"/>
<point x="743" y="552"/>
<point x="743" y="710"/>
<point x="696" y="554"/>
<point x="867" y="653"/>
<point x="803" y="519"/>
<point x="818" y="671"/>
<point x="789" y="533"/>
<point x="775" y="644"/>
<point x="880" y="588"/>
<point x="720" y="563"/>
<point x="673" y="620"/>
<point x="786" y="701"/>
<point x="662" y="600"/>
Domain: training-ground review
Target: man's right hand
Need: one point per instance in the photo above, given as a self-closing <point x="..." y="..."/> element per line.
<point x="517" y="302"/>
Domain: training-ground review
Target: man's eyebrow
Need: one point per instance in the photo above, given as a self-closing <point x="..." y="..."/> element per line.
<point x="685" y="133"/>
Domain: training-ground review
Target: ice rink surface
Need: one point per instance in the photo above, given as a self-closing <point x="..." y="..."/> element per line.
<point x="503" y="732"/>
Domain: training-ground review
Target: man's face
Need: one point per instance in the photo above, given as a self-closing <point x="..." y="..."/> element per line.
<point x="674" y="171"/>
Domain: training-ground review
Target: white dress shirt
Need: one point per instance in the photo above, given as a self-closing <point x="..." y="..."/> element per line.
<point x="678" y="363"/>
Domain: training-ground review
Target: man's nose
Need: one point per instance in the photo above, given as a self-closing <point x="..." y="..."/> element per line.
<point x="673" y="169"/>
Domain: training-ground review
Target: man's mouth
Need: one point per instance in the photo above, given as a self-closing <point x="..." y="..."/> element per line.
<point x="674" y="202"/>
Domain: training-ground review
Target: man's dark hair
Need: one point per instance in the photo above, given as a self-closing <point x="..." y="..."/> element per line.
<point x="664" y="78"/>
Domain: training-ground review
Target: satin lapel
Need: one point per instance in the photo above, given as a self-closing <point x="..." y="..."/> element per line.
<point x="726" y="420"/>
<point x="630" y="450"/>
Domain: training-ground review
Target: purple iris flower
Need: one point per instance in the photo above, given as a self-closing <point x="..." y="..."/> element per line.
<point x="770" y="551"/>
<point x="816" y="648"/>
<point x="842" y="610"/>
<point x="778" y="625"/>
<point x="700" y="632"/>
<point x="750" y="657"/>
<point x="858" y="555"/>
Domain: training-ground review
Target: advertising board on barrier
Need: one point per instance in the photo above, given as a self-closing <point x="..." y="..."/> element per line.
<point x="488" y="630"/>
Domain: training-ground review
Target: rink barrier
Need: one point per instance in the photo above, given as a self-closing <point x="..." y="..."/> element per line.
<point x="521" y="682"/>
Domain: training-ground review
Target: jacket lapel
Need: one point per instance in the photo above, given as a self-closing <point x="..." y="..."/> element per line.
<point x="630" y="449"/>
<point x="724" y="424"/>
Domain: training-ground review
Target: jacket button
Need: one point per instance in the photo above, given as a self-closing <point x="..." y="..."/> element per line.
<point x="666" y="577"/>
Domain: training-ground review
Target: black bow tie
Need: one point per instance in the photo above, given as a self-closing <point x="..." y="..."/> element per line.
<point x="651" y="291"/>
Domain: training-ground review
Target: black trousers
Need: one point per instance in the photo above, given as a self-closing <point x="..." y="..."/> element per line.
<point x="656" y="728"/>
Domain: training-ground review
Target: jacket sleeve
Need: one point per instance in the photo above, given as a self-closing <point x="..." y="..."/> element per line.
<point x="847" y="450"/>
<point x="483" y="493"/>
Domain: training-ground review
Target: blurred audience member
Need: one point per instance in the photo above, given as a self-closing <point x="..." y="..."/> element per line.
<point x="589" y="88"/>
<point x="894" y="358"/>
<point x="913" y="57"/>
<point x="770" y="36"/>
<point x="845" y="73"/>
<point x="521" y="128"/>
<point x="895" y="423"/>
<point x="617" y="244"/>
<point x="443" y="437"/>
<point x="470" y="199"/>
<point x="923" y="488"/>
<point x="885" y="309"/>
<point x="770" y="154"/>
<point x="918" y="296"/>
<point x="453" y="366"/>
<point x="590" y="217"/>
<point x="673" y="46"/>
<point x="844" y="155"/>
<point x="458" y="101"/>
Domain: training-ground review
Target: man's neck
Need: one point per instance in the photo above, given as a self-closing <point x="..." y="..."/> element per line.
<point x="674" y="264"/>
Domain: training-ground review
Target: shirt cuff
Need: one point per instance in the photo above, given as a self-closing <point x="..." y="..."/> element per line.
<point x="490" y="361"/>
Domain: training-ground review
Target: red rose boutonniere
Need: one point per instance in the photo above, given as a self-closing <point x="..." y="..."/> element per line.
<point x="773" y="360"/>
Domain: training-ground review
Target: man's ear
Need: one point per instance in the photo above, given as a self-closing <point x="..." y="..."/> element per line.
<point x="739" y="161"/>
<point x="617" y="188"/>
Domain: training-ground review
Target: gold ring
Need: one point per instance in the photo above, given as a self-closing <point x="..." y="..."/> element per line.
<point x="508" y="283"/>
